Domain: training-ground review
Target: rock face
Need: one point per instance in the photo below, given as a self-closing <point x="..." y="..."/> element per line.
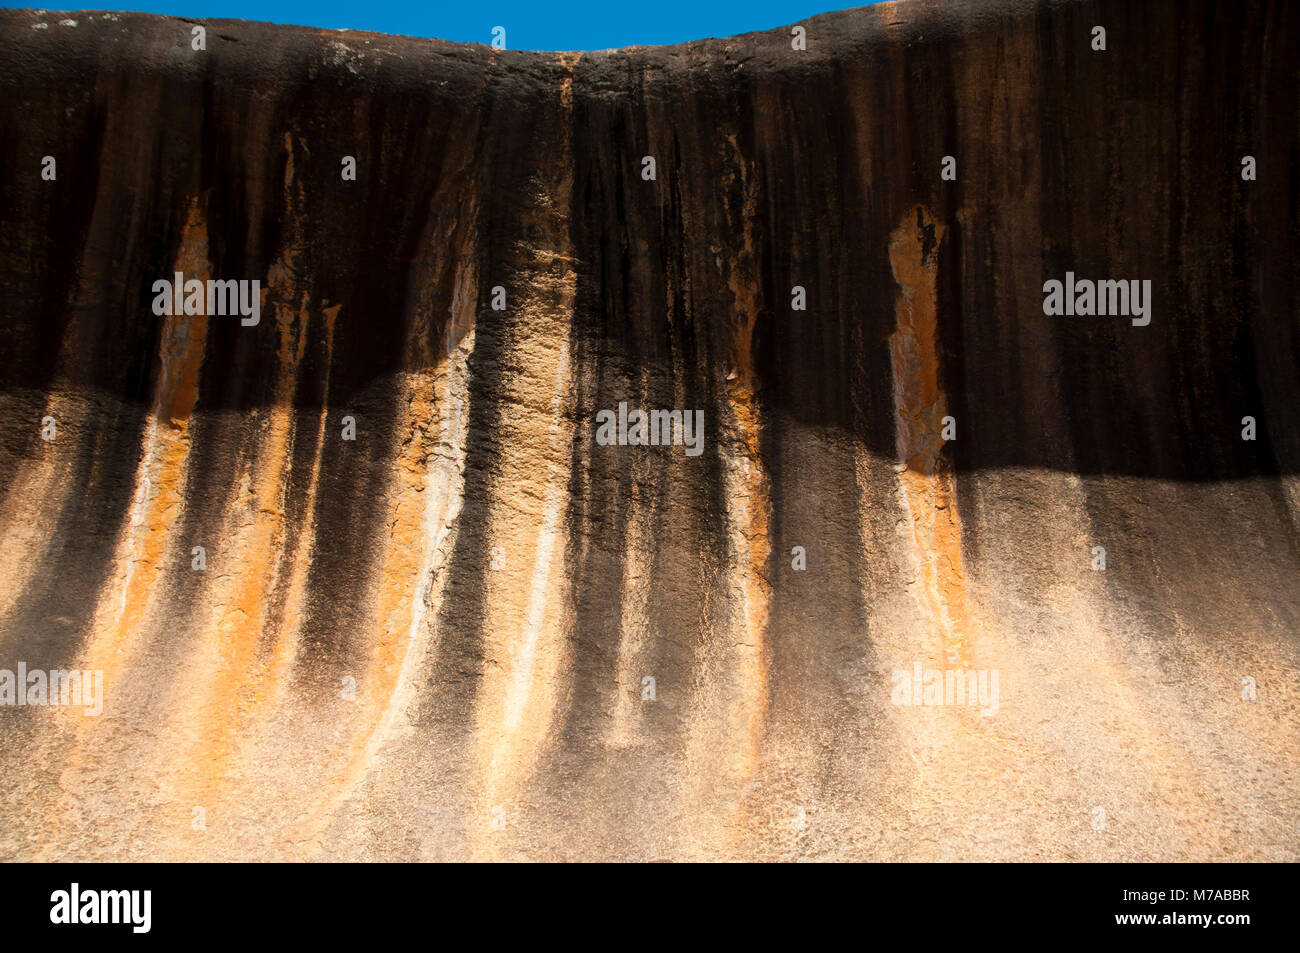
<point x="362" y="581"/>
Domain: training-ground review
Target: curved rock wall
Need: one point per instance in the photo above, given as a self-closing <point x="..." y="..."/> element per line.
<point x="439" y="614"/>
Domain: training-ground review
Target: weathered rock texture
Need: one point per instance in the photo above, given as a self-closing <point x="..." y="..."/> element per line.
<point x="496" y="585"/>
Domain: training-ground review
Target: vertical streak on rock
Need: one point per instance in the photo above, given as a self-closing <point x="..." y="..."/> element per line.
<point x="288" y="627"/>
<point x="294" y="610"/>
<point x="146" y="540"/>
<point x="634" y="621"/>
<point x="228" y="673"/>
<point x="526" y="624"/>
<point x="928" y="488"/>
<point x="424" y="498"/>
<point x="734" y="679"/>
<point x="747" y="484"/>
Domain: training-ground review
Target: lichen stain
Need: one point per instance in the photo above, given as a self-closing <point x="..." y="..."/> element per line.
<point x="928" y="486"/>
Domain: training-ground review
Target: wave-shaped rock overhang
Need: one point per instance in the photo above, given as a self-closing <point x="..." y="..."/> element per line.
<point x="363" y="551"/>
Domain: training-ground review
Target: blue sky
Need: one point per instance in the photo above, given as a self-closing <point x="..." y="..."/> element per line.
<point x="536" y="25"/>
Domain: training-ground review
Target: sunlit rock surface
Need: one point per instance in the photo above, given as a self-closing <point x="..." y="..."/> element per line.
<point x="476" y="632"/>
